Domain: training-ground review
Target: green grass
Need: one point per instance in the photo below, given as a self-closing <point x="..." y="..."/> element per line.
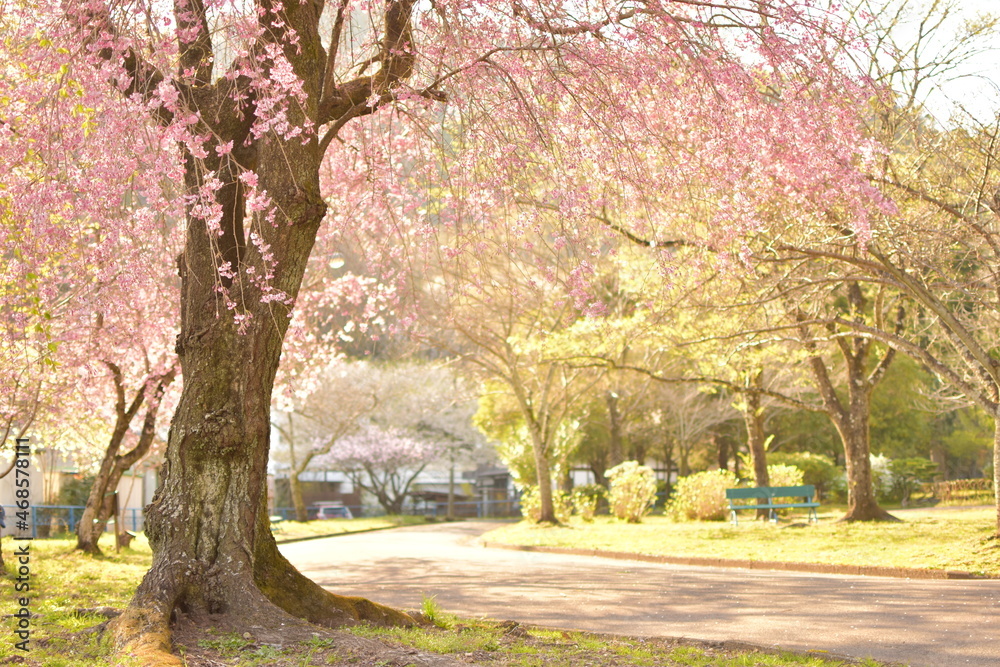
<point x="498" y="643"/>
<point x="62" y="584"/>
<point x="290" y="530"/>
<point x="954" y="539"/>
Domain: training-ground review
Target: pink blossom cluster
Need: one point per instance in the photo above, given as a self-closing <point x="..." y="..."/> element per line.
<point x="379" y="448"/>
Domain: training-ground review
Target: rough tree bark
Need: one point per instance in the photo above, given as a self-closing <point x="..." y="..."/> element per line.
<point x="996" y="470"/>
<point x="295" y="489"/>
<point x="852" y="419"/>
<point x="753" y="417"/>
<point x="295" y="469"/>
<point x="616" y="453"/>
<point x="96" y="514"/>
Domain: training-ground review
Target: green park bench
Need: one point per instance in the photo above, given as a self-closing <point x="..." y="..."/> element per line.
<point x="774" y="498"/>
<point x="276" y="521"/>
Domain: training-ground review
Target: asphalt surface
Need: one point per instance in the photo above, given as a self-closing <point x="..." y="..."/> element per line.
<point x="937" y="623"/>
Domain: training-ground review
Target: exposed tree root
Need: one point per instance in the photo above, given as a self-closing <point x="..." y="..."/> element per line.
<point x="872" y="514"/>
<point x="144" y="633"/>
<point x="278" y="603"/>
<point x="153" y="643"/>
<point x="300" y="596"/>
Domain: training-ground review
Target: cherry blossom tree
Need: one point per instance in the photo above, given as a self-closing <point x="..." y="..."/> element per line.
<point x="345" y="393"/>
<point x="420" y="401"/>
<point x="132" y="367"/>
<point x="286" y="119"/>
<point x="383" y="461"/>
<point x="85" y="197"/>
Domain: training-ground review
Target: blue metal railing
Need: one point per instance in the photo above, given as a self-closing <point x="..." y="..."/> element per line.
<point x="51" y="520"/>
<point x="466" y="509"/>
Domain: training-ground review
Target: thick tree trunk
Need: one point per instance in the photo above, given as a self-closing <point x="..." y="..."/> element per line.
<point x="544" y="473"/>
<point x="295" y="489"/>
<point x="862" y="505"/>
<point x="616" y="454"/>
<point x="212" y="551"/>
<point x="243" y="262"/>
<point x="996" y="469"/>
<point x="754" y="419"/>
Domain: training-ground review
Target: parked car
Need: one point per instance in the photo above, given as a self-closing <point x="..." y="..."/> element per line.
<point x="333" y="510"/>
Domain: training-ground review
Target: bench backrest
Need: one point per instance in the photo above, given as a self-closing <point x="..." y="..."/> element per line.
<point x="768" y="492"/>
<point x="803" y="491"/>
<point x="741" y="494"/>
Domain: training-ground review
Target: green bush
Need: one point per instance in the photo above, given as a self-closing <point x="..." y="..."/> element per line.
<point x="883" y="479"/>
<point x="781" y="474"/>
<point x="585" y="500"/>
<point x="909" y="476"/>
<point x="702" y="496"/>
<point x="76" y="491"/>
<point x="633" y="491"/>
<point x="817" y="469"/>
<point x="531" y="505"/>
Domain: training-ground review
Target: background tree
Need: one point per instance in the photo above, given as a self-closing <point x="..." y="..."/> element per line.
<point x="133" y="368"/>
<point x="939" y="249"/>
<point x="419" y="410"/>
<point x="383" y="461"/>
<point x="313" y="424"/>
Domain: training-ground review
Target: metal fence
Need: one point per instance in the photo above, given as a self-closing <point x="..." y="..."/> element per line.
<point x="478" y="509"/>
<point x="962" y="491"/>
<point x="52" y="520"/>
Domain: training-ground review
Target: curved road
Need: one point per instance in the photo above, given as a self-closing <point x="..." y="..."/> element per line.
<point x="937" y="623"/>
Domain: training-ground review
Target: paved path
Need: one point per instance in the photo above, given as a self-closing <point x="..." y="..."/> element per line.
<point x="939" y="623"/>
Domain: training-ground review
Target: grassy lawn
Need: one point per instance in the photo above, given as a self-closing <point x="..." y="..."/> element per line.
<point x="67" y="592"/>
<point x="291" y="530"/>
<point x="953" y="539"/>
<point x="70" y="591"/>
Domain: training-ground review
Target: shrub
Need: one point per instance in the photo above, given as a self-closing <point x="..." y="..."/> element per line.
<point x="702" y="496"/>
<point x="911" y="474"/>
<point x="883" y="478"/>
<point x="585" y="499"/>
<point x="531" y="505"/>
<point x="781" y="475"/>
<point x="633" y="491"/>
<point x="76" y="491"/>
<point x="817" y="469"/>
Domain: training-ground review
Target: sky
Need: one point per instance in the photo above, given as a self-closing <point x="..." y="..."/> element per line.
<point x="974" y="87"/>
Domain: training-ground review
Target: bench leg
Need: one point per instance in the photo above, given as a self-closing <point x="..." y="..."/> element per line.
<point x="732" y="518"/>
